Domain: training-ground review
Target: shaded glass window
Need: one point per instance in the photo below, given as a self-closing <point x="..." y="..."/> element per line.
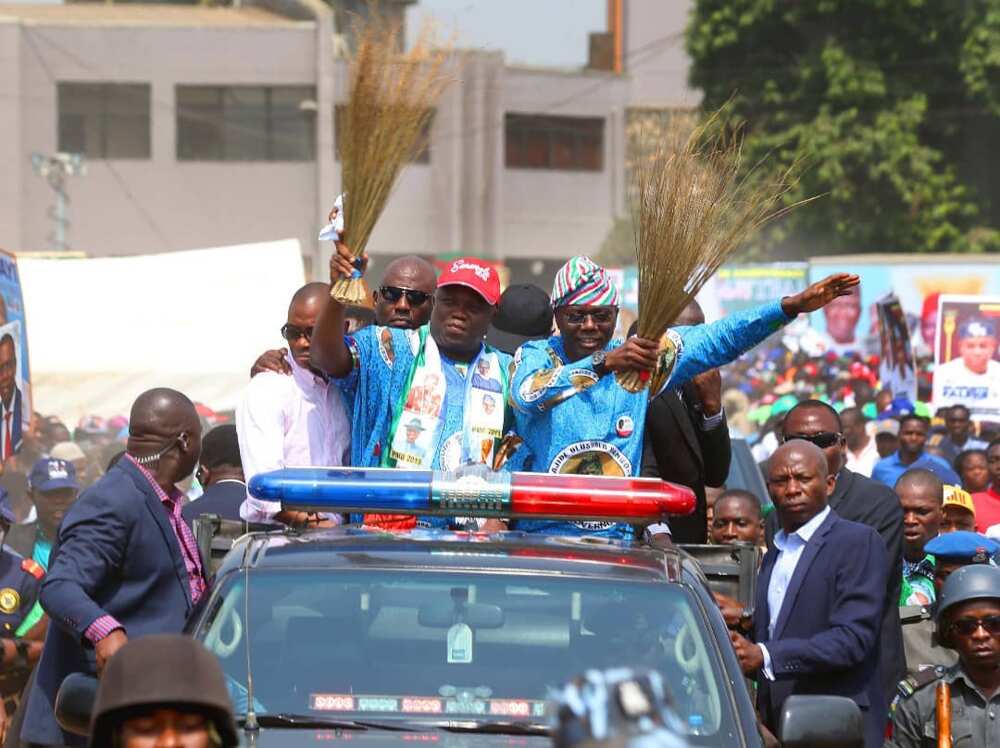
<point x="104" y="120"/>
<point x="563" y="143"/>
<point x="246" y="123"/>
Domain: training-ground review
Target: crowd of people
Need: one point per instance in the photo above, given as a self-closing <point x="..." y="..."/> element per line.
<point x="873" y="502"/>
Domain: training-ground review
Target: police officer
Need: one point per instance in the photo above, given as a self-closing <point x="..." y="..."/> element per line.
<point x="185" y="705"/>
<point x="951" y="551"/>
<point x="968" y="619"/>
<point x="53" y="488"/>
<point x="22" y="621"/>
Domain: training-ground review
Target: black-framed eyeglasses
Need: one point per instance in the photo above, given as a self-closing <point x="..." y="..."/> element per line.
<point x="599" y="315"/>
<point x="823" y="439"/>
<point x="969" y="626"/>
<point x="291" y="333"/>
<point x="392" y="294"/>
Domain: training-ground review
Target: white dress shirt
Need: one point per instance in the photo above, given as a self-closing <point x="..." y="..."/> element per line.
<point x="289" y="421"/>
<point x="789" y="549"/>
<point x="864" y="461"/>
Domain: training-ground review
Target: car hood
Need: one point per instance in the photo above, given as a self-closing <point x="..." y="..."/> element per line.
<point x="287" y="738"/>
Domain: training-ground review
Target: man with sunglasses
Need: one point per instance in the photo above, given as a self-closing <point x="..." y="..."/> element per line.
<point x="968" y="620"/>
<point x="403" y="300"/>
<point x="859" y="499"/>
<point x="570" y="408"/>
<point x="299" y="419"/>
<point x="434" y="378"/>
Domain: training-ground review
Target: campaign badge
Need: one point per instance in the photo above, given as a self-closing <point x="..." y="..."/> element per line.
<point x="624" y="427"/>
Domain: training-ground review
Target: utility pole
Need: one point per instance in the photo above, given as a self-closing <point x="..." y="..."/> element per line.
<point x="55" y="169"/>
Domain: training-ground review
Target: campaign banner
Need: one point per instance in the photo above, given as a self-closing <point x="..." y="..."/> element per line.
<point x="15" y="372"/>
<point x="737" y="288"/>
<point x="897" y="368"/>
<point x="918" y="282"/>
<point x="967" y="365"/>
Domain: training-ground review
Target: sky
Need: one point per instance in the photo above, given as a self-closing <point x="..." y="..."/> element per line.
<point x="549" y="33"/>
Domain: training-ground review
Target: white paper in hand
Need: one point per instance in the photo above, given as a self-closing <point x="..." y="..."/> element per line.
<point x="332" y="231"/>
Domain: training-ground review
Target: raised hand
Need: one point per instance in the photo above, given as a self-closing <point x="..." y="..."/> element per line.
<point x="343" y="263"/>
<point x="820" y="294"/>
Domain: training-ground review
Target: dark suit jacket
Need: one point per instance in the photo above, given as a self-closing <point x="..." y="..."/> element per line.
<point x="223" y="499"/>
<point x="826" y="637"/>
<point x="678" y="450"/>
<point x="116" y="555"/>
<point x="860" y="499"/>
<point x="16" y="436"/>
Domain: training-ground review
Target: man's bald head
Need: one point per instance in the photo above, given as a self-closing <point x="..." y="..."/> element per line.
<point x="160" y="412"/>
<point x="393" y="308"/>
<point x="921" y="495"/>
<point x="922" y="481"/>
<point x="303" y="311"/>
<point x="800" y="450"/>
<point x="310" y="295"/>
<point x="799" y="483"/>
<point x="692" y="314"/>
<point x="165" y="434"/>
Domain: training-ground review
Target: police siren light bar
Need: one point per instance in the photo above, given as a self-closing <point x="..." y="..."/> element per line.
<point x="473" y="492"/>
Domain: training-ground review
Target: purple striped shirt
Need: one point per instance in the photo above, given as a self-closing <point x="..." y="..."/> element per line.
<point x="172" y="503"/>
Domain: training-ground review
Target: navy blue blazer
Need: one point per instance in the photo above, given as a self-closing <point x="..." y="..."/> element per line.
<point x="223" y="498"/>
<point x="826" y="637"/>
<point x="116" y="554"/>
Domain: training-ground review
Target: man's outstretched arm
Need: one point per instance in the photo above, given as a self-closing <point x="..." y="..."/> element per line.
<point x="329" y="351"/>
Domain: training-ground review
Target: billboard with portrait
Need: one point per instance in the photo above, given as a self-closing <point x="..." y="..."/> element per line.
<point x="15" y="376"/>
<point x="967" y="361"/>
<point x="916" y="280"/>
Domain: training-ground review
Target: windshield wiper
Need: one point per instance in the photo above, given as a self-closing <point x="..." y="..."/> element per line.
<point x="313" y="721"/>
<point x="495" y="728"/>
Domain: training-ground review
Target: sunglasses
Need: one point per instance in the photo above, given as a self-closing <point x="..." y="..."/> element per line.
<point x="579" y="316"/>
<point x="823" y="439"/>
<point x="969" y="626"/>
<point x="392" y="294"/>
<point x="291" y="333"/>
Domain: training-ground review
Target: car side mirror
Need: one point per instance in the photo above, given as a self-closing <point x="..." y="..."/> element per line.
<point x="820" y="722"/>
<point x="75" y="703"/>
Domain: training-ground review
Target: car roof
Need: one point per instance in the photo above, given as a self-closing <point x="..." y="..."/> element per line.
<point x="428" y="550"/>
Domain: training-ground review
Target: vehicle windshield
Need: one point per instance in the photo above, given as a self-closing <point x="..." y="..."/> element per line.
<point x="455" y="645"/>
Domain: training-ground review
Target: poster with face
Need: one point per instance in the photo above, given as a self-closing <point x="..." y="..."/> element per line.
<point x="917" y="281"/>
<point x="966" y="360"/>
<point x="896" y="368"/>
<point x="15" y="373"/>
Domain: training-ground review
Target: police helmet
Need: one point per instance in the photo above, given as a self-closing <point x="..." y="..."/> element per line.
<point x="977" y="582"/>
<point x="163" y="671"/>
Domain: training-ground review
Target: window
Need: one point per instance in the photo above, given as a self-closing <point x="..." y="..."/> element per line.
<point x="565" y="143"/>
<point x="104" y="120"/>
<point x="246" y="123"/>
<point x="395" y="657"/>
<point x="423" y="154"/>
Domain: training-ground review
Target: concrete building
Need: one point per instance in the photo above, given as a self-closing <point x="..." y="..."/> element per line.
<point x="215" y="126"/>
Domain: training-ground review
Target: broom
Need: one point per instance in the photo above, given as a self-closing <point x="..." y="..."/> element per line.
<point x="692" y="208"/>
<point x="391" y="100"/>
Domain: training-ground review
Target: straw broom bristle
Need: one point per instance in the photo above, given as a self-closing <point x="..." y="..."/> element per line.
<point x="391" y="100"/>
<point x="692" y="208"/>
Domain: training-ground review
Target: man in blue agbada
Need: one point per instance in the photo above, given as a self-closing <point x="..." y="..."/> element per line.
<point x="571" y="411"/>
<point x="430" y="398"/>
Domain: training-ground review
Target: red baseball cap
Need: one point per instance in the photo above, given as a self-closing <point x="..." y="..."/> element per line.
<point x="480" y="276"/>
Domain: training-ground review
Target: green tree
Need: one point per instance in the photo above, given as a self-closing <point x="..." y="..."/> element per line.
<point x="885" y="100"/>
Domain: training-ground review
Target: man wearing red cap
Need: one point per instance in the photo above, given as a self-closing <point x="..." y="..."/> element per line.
<point x="422" y="398"/>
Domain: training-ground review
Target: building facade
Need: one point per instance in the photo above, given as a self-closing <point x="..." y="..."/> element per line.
<point x="209" y="126"/>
